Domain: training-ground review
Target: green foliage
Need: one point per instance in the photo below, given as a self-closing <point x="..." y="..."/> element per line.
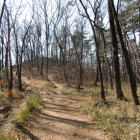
<point x="33" y="102"/>
<point x="130" y="15"/>
<point x="24" y="114"/>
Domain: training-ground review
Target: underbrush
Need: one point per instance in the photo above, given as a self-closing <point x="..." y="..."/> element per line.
<point x="32" y="102"/>
<point x="120" y="120"/>
<point x="5" y="137"/>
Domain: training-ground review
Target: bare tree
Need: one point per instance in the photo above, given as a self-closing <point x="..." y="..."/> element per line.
<point x="20" y="49"/>
<point x="62" y="34"/>
<point x="97" y="46"/>
<point x="79" y="45"/>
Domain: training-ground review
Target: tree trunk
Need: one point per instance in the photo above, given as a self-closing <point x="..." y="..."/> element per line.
<point x="41" y="67"/>
<point x="19" y="77"/>
<point x="62" y="56"/>
<point x="132" y="49"/>
<point x="10" y="59"/>
<point x="131" y="75"/>
<point x="119" y="93"/>
<point x="2" y="51"/>
<point x="96" y="77"/>
<point x="107" y="62"/>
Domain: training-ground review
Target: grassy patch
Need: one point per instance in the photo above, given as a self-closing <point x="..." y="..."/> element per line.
<point x="33" y="102"/>
<point x="5" y="137"/>
<point x="121" y="120"/>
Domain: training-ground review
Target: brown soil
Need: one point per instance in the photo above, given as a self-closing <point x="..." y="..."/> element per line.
<point x="60" y="118"/>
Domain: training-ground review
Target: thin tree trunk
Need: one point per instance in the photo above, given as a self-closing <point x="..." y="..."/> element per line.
<point x="107" y="62"/>
<point x="2" y="52"/>
<point x="62" y="56"/>
<point x="96" y="77"/>
<point x="10" y="59"/>
<point x="97" y="52"/>
<point x="41" y="67"/>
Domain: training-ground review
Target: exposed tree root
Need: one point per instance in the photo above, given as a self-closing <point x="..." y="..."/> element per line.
<point x="101" y="103"/>
<point x="25" y="131"/>
<point x="6" y="109"/>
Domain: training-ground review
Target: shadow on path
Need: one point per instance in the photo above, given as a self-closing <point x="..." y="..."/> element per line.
<point x="25" y="131"/>
<point x="66" y="120"/>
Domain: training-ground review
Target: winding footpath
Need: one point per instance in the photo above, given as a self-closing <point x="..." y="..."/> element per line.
<point x="60" y="117"/>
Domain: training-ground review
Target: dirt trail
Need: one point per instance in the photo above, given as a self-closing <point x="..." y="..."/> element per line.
<point x="61" y="118"/>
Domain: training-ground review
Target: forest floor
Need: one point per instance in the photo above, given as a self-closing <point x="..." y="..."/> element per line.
<point x="60" y="117"/>
<point x="64" y="113"/>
